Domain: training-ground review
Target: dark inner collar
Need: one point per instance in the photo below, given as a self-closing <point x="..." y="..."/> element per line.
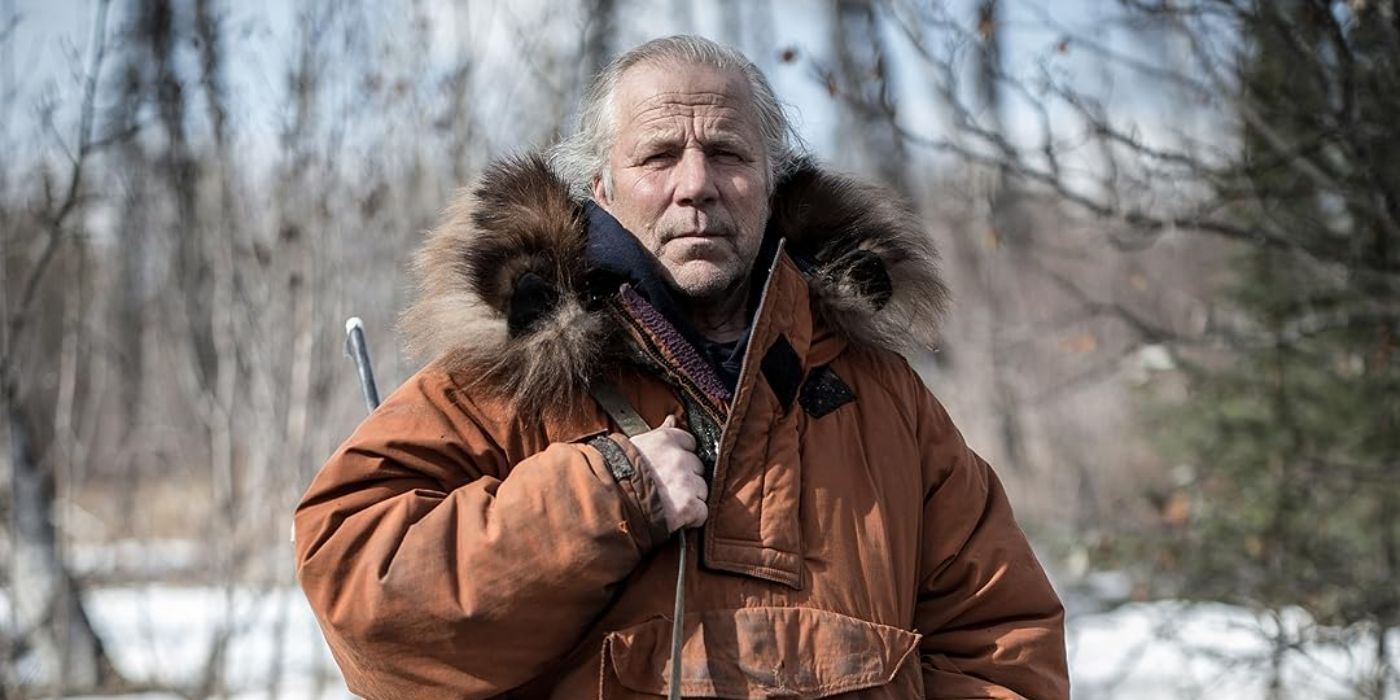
<point x="615" y="256"/>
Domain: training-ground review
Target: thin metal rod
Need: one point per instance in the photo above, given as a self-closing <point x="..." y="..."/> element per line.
<point x="358" y="351"/>
<point x="677" y="622"/>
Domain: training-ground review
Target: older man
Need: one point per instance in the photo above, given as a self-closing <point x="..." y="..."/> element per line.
<point x="674" y="325"/>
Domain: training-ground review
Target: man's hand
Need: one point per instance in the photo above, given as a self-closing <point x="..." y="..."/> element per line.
<point x="677" y="473"/>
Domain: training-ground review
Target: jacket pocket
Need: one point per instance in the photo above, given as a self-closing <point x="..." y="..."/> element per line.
<point x="762" y="652"/>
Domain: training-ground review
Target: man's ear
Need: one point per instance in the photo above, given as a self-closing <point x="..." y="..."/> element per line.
<point x="600" y="193"/>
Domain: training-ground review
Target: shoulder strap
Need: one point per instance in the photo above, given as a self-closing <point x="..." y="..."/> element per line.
<point x="619" y="408"/>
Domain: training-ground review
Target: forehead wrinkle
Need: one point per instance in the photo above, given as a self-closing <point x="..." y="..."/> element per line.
<point x="669" y="110"/>
<point x="688" y="98"/>
<point x="660" y="124"/>
<point x="711" y="113"/>
<point x="710" y="127"/>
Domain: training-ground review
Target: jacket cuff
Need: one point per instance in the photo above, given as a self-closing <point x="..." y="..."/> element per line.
<point x="645" y="515"/>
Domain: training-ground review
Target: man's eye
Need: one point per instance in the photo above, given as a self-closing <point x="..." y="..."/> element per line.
<point x="656" y="158"/>
<point x="724" y="156"/>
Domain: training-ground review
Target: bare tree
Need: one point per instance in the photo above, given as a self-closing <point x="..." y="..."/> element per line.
<point x="1294" y="182"/>
<point x="58" y="645"/>
<point x="861" y="75"/>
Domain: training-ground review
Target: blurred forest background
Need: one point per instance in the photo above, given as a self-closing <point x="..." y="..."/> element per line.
<point x="1172" y="228"/>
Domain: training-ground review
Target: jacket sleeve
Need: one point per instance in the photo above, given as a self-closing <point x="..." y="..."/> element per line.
<point x="992" y="625"/>
<point x="436" y="570"/>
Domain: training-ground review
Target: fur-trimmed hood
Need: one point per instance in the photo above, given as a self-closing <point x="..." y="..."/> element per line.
<point x="871" y="266"/>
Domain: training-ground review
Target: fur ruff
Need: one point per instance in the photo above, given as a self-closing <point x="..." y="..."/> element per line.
<point x="520" y="218"/>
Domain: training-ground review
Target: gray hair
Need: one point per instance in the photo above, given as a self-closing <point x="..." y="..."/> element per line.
<point x="584" y="155"/>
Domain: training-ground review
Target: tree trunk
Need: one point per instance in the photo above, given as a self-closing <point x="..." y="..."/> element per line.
<point x="862" y="76"/>
<point x="598" y="36"/>
<point x="55" y="637"/>
<point x="1381" y="682"/>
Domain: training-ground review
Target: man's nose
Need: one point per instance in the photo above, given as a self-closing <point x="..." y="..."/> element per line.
<point x="694" y="183"/>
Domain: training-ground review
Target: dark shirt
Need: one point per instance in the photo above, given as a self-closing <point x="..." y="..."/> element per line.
<point x="726" y="358"/>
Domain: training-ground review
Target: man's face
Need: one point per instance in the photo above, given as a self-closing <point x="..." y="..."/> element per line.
<point x="689" y="173"/>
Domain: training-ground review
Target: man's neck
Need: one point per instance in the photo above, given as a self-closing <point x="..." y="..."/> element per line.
<point x="723" y="318"/>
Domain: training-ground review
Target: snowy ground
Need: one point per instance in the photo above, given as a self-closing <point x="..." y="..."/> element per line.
<point x="162" y="635"/>
<point x="1144" y="651"/>
<point x="1161" y="650"/>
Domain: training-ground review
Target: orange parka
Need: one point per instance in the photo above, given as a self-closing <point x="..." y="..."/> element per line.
<point x="489" y="532"/>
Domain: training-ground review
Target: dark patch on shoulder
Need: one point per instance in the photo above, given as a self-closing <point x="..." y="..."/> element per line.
<point x="783" y="371"/>
<point x="824" y="392"/>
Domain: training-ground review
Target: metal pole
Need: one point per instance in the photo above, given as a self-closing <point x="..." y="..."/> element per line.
<point x="358" y="351"/>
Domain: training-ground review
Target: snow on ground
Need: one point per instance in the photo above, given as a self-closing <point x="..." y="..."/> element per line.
<point x="1143" y="651"/>
<point x="1168" y="650"/>
<point x="162" y="636"/>
<point x="165" y="633"/>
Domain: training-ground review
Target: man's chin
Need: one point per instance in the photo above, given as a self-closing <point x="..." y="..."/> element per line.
<point x="703" y="280"/>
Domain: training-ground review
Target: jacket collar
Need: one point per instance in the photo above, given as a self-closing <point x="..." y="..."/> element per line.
<point x="505" y="298"/>
<point x="615" y="256"/>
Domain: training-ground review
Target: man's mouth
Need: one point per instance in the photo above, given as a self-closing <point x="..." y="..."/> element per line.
<point x="695" y="234"/>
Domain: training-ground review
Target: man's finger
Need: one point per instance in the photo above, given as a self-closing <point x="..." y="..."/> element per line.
<point x="699" y="514"/>
<point x="683" y="439"/>
<point x="696" y="466"/>
<point x="702" y="489"/>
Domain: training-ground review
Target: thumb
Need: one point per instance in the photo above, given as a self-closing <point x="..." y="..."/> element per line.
<point x="670" y="421"/>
